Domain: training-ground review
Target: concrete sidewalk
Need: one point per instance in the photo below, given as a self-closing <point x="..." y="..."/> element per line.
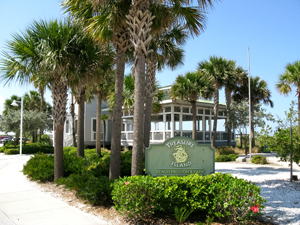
<point x="22" y="204"/>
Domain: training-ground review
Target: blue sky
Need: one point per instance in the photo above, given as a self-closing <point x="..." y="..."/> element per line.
<point x="269" y="27"/>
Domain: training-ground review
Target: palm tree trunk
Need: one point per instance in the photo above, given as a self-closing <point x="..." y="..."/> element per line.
<point x="194" y="135"/>
<point x="115" y="159"/>
<point x="73" y="121"/>
<point x="216" y="106"/>
<point x="59" y="95"/>
<point x="150" y="82"/>
<point x="147" y="123"/>
<point x="228" y="102"/>
<point x="139" y="21"/>
<point x="98" y="121"/>
<point x="80" y="123"/>
<point x="138" y="119"/>
<point x="104" y="133"/>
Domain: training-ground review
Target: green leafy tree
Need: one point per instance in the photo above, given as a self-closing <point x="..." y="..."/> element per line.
<point x="259" y="93"/>
<point x="32" y="120"/>
<point x="279" y="140"/>
<point x="239" y="117"/>
<point x="189" y="88"/>
<point x="290" y="78"/>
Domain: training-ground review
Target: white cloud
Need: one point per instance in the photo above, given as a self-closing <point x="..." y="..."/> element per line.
<point x="1" y="104"/>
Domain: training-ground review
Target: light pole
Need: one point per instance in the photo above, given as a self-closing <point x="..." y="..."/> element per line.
<point x="14" y="103"/>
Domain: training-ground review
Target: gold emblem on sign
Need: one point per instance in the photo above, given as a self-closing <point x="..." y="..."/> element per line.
<point x="181" y="155"/>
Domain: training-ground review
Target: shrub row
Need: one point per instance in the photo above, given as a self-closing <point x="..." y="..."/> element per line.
<point x="31" y="148"/>
<point x="226" y="158"/>
<point x="219" y="195"/>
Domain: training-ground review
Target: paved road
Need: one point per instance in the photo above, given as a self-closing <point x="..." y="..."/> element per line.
<point x="22" y="204"/>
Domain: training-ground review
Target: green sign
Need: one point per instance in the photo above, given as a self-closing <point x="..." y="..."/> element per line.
<point x="179" y="156"/>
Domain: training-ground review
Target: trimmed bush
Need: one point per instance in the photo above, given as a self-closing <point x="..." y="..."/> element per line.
<point x="226" y="158"/>
<point x="259" y="159"/>
<point x="220" y="195"/>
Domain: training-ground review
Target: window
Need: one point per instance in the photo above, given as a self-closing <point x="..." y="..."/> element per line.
<point x="157" y="122"/>
<point x="177" y="109"/>
<point x="168" y="122"/>
<point x="207" y="125"/>
<point x="94" y="127"/>
<point x="187" y="122"/>
<point x="199" y="123"/>
<point x="168" y="109"/>
<point x="67" y="126"/>
<point x="207" y="112"/>
<point x="200" y="111"/>
<point x="176" y="122"/>
<point x="185" y="110"/>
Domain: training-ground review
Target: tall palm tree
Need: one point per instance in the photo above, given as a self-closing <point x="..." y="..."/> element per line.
<point x="87" y="59"/>
<point x="189" y="88"/>
<point x="230" y="83"/>
<point x="106" y="21"/>
<point x="101" y="87"/>
<point x="290" y="77"/>
<point x="140" y="20"/>
<point x="217" y="69"/>
<point x="259" y="93"/>
<point x="166" y="51"/>
<point x="44" y="50"/>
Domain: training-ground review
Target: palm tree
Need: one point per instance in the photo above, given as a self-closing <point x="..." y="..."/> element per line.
<point x="87" y="59"/>
<point x="106" y="21"/>
<point x="290" y="77"/>
<point x="217" y="69"/>
<point x="230" y="83"/>
<point x="189" y="88"/>
<point x="44" y="50"/>
<point x="101" y="88"/>
<point x="140" y="20"/>
<point x="259" y="93"/>
<point x="166" y="51"/>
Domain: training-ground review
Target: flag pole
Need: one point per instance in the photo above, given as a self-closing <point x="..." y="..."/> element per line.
<point x="250" y="139"/>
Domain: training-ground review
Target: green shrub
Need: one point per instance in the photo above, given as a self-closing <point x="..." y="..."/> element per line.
<point x="224" y="151"/>
<point x="259" y="159"/>
<point x="226" y="158"/>
<point x="40" y="167"/>
<point x="97" y="190"/>
<point x="12" y="151"/>
<point x="31" y="148"/>
<point x="45" y="139"/>
<point x="219" y="195"/>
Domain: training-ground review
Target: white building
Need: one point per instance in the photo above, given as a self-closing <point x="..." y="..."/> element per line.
<point x="175" y="119"/>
